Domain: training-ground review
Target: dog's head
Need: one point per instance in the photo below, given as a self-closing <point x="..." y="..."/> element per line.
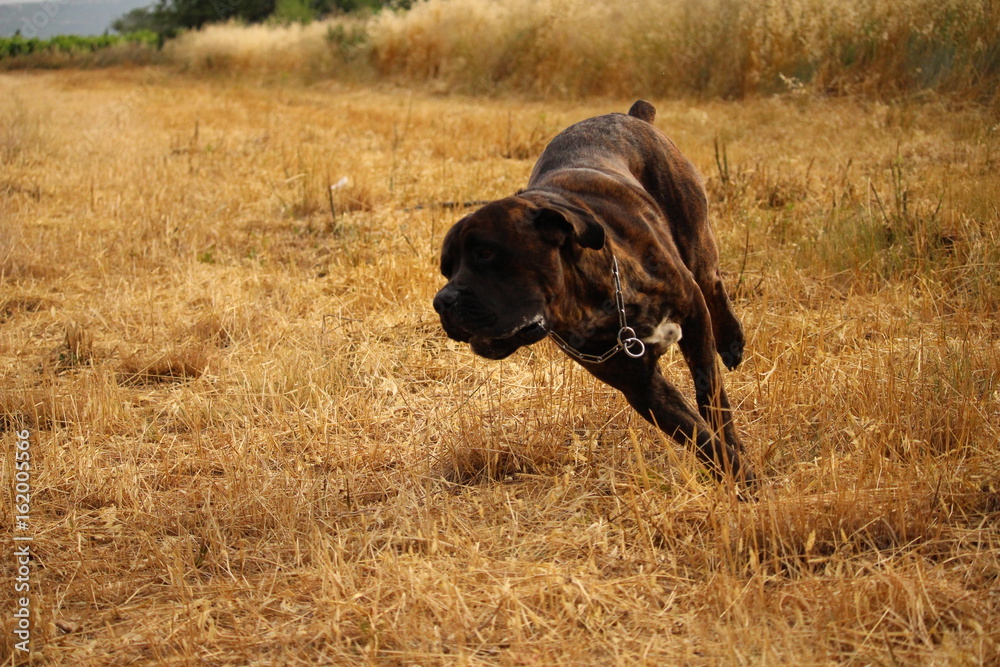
<point x="504" y="265"/>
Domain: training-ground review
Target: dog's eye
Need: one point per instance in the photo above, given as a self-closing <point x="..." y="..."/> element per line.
<point x="484" y="254"/>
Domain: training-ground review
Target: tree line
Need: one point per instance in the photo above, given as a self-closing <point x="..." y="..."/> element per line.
<point x="168" y="17"/>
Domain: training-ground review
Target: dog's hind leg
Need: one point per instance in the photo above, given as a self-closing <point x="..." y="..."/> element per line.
<point x="701" y="256"/>
<point x="700" y="253"/>
<point x="726" y="328"/>
<point x="674" y="184"/>
<point x="698" y="347"/>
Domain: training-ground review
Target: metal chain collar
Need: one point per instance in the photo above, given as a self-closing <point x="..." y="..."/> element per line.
<point x="627" y="340"/>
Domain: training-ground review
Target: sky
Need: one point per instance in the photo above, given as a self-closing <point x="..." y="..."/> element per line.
<point x="62" y="17"/>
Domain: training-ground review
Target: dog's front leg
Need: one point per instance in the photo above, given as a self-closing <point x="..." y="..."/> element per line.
<point x="661" y="404"/>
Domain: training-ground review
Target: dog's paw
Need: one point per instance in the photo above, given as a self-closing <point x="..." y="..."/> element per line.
<point x="731" y="352"/>
<point x="729" y="337"/>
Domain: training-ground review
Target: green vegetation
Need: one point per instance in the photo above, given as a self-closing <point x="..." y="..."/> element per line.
<point x="11" y="47"/>
<point x="170" y="17"/>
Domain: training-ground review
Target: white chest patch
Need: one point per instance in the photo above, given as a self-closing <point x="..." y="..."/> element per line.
<point x="666" y="334"/>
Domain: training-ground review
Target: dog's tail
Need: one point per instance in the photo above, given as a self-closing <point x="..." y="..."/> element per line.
<point x="643" y="110"/>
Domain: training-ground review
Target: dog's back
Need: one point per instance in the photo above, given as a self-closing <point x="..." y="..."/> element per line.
<point x="628" y="148"/>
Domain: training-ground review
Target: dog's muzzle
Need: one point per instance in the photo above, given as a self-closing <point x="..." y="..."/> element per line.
<point x="504" y="346"/>
<point x="465" y="320"/>
<point x="461" y="315"/>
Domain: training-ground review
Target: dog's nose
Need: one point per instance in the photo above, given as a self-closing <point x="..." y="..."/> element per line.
<point x="445" y="299"/>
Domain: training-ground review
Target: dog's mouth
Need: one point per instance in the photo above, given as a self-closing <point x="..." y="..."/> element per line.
<point x="501" y="347"/>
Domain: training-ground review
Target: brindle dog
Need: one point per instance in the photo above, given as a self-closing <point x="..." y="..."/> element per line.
<point x="610" y="195"/>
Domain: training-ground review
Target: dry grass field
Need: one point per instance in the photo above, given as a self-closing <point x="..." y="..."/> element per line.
<point x="251" y="442"/>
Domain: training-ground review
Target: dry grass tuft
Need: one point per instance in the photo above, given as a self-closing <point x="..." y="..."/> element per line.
<point x="251" y="442"/>
<point x="477" y="465"/>
<point x="21" y="134"/>
<point x="233" y="325"/>
<point x="77" y="349"/>
<point x="275" y="49"/>
<point x="14" y="306"/>
<point x="174" y="366"/>
<point x="33" y="408"/>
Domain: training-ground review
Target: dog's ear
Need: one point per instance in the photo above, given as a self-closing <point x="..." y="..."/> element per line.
<point x="450" y="248"/>
<point x="558" y="223"/>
